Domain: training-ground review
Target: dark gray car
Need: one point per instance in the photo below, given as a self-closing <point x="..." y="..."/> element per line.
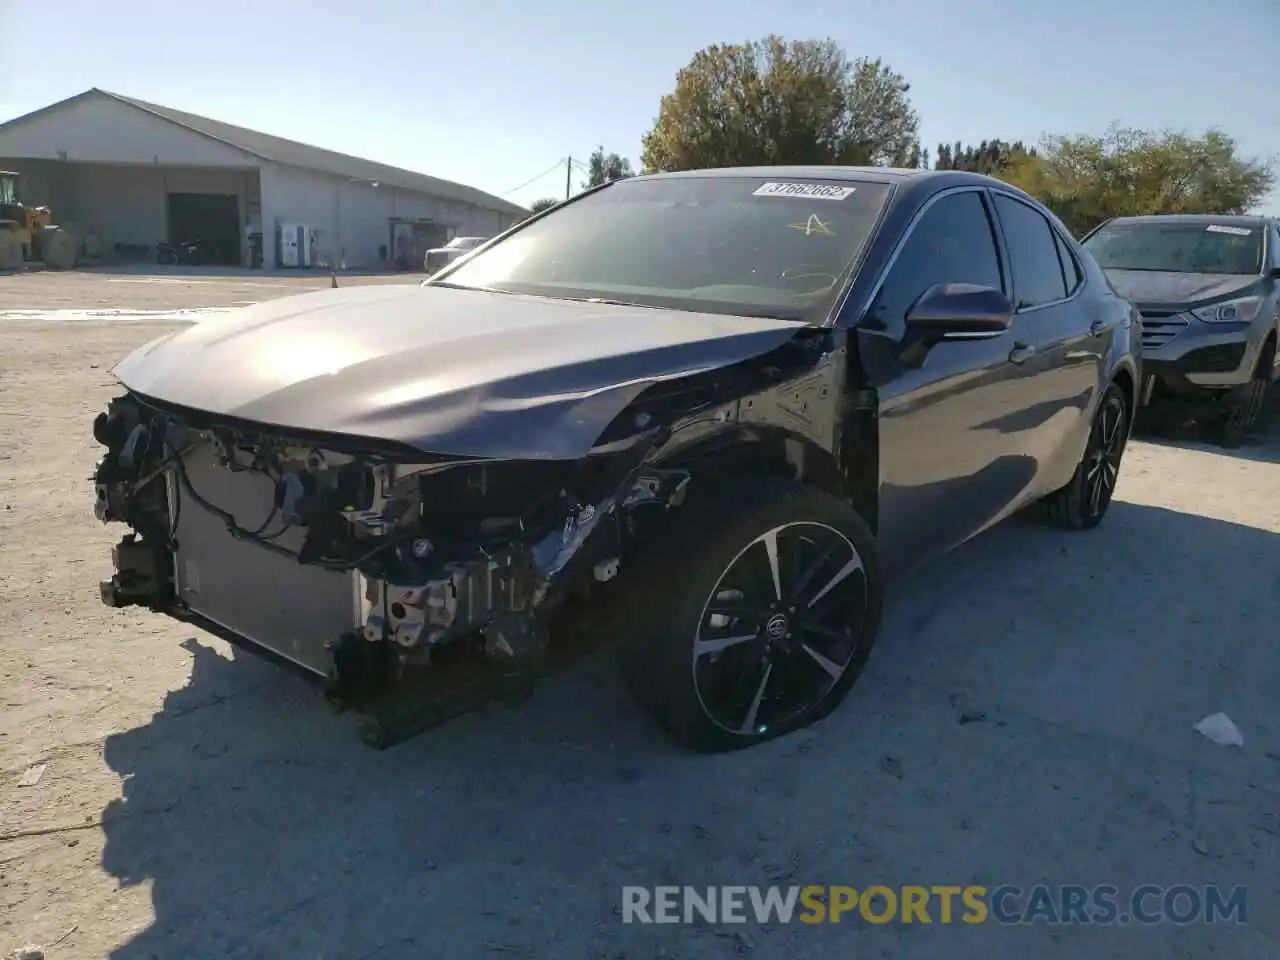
<point x="715" y="408"/>
<point x="1207" y="288"/>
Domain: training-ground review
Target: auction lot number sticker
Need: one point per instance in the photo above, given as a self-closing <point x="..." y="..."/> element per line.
<point x="1223" y="228"/>
<point x="807" y="191"/>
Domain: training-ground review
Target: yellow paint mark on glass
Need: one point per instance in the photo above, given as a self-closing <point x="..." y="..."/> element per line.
<point x="814" y="225"/>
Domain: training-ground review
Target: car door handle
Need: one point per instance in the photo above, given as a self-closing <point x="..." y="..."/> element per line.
<point x="1021" y="353"/>
<point x="1098" y="328"/>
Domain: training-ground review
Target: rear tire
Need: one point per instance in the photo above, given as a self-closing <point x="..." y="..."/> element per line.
<point x="1084" y="501"/>
<point x="794" y="574"/>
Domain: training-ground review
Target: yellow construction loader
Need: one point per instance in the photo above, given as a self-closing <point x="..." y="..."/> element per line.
<point x="28" y="234"/>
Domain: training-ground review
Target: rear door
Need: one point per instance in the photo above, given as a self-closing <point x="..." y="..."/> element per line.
<point x="1070" y="334"/>
<point x="950" y="450"/>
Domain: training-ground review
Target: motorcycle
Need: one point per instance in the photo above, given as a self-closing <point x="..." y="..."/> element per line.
<point x="186" y="252"/>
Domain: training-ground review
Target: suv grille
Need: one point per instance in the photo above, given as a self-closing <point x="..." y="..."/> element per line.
<point x="1160" y="327"/>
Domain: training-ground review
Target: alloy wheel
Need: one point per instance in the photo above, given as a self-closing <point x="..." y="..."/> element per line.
<point x="780" y="628"/>
<point x="1102" y="460"/>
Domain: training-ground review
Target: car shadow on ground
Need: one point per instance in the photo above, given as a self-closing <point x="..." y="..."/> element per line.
<point x="1027" y="717"/>
<point x="1264" y="449"/>
<point x="1262" y="445"/>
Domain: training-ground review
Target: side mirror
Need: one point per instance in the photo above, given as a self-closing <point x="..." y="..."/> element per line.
<point x="954" y="311"/>
<point x="961" y="310"/>
<point x="1275" y="272"/>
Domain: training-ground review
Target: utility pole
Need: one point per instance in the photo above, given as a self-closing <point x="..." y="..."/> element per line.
<point x="568" y="175"/>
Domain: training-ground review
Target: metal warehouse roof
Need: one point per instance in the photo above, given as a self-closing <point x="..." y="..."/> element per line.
<point x="291" y="152"/>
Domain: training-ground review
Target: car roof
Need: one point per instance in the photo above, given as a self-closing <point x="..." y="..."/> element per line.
<point x="937" y="178"/>
<point x="1229" y="220"/>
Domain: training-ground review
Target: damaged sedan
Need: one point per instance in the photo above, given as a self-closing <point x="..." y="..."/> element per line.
<point x="717" y="408"/>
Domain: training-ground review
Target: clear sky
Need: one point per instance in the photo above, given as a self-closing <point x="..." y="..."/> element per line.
<point x="492" y="92"/>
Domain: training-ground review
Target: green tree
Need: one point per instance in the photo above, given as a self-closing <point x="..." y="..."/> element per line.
<point x="546" y="203"/>
<point x="603" y="167"/>
<point x="1088" y="179"/>
<point x="989" y="157"/>
<point x="773" y="101"/>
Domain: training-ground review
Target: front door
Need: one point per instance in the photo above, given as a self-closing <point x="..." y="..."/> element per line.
<point x="951" y="449"/>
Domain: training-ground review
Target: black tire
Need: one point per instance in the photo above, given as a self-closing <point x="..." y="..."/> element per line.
<point x="164" y="257"/>
<point x="1243" y="417"/>
<point x="718" y="535"/>
<point x="1084" y="501"/>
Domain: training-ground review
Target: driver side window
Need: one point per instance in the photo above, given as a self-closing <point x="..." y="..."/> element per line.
<point x="952" y="243"/>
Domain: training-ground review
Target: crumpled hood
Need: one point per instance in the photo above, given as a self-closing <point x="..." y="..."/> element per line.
<point x="456" y="372"/>
<point x="1176" y="290"/>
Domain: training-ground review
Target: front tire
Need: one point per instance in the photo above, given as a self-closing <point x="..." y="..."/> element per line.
<point x="1084" y="501"/>
<point x="1245" y="414"/>
<point x="752" y="615"/>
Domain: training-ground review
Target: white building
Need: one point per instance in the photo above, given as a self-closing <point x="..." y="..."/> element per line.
<point x="128" y="174"/>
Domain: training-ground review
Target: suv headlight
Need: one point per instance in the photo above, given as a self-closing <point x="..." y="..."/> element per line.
<point x="1233" y="311"/>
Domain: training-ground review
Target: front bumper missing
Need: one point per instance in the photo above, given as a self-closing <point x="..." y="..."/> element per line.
<point x="406" y="653"/>
<point x="393" y="700"/>
<point x="143" y="576"/>
<point x="296" y="611"/>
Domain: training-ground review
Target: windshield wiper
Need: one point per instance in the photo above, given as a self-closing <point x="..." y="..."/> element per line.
<point x="608" y="302"/>
<point x="611" y="302"/>
<point x="765" y="315"/>
<point x="653" y="306"/>
<point x="462" y="286"/>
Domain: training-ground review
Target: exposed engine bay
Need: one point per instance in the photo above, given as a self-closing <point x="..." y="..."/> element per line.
<point x="443" y="551"/>
<point x="360" y="560"/>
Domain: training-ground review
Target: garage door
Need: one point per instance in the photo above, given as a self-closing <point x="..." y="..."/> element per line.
<point x="211" y="218"/>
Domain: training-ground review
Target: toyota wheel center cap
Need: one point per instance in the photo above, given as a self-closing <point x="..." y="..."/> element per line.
<point x="777" y="627"/>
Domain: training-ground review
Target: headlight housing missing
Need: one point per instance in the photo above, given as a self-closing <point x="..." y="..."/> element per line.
<point x="1242" y="310"/>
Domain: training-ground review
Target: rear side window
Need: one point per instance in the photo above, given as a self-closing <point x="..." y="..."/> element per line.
<point x="1070" y="265"/>
<point x="1033" y="254"/>
<point x="951" y="243"/>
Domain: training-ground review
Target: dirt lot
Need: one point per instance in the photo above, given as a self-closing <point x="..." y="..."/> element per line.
<point x="1027" y="718"/>
<point x="176" y="289"/>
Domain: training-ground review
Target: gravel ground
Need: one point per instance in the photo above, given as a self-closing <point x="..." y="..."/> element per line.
<point x="1027" y="718"/>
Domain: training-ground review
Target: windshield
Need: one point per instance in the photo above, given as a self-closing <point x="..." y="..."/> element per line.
<point x="464" y="243"/>
<point x="731" y="245"/>
<point x="1178" y="247"/>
